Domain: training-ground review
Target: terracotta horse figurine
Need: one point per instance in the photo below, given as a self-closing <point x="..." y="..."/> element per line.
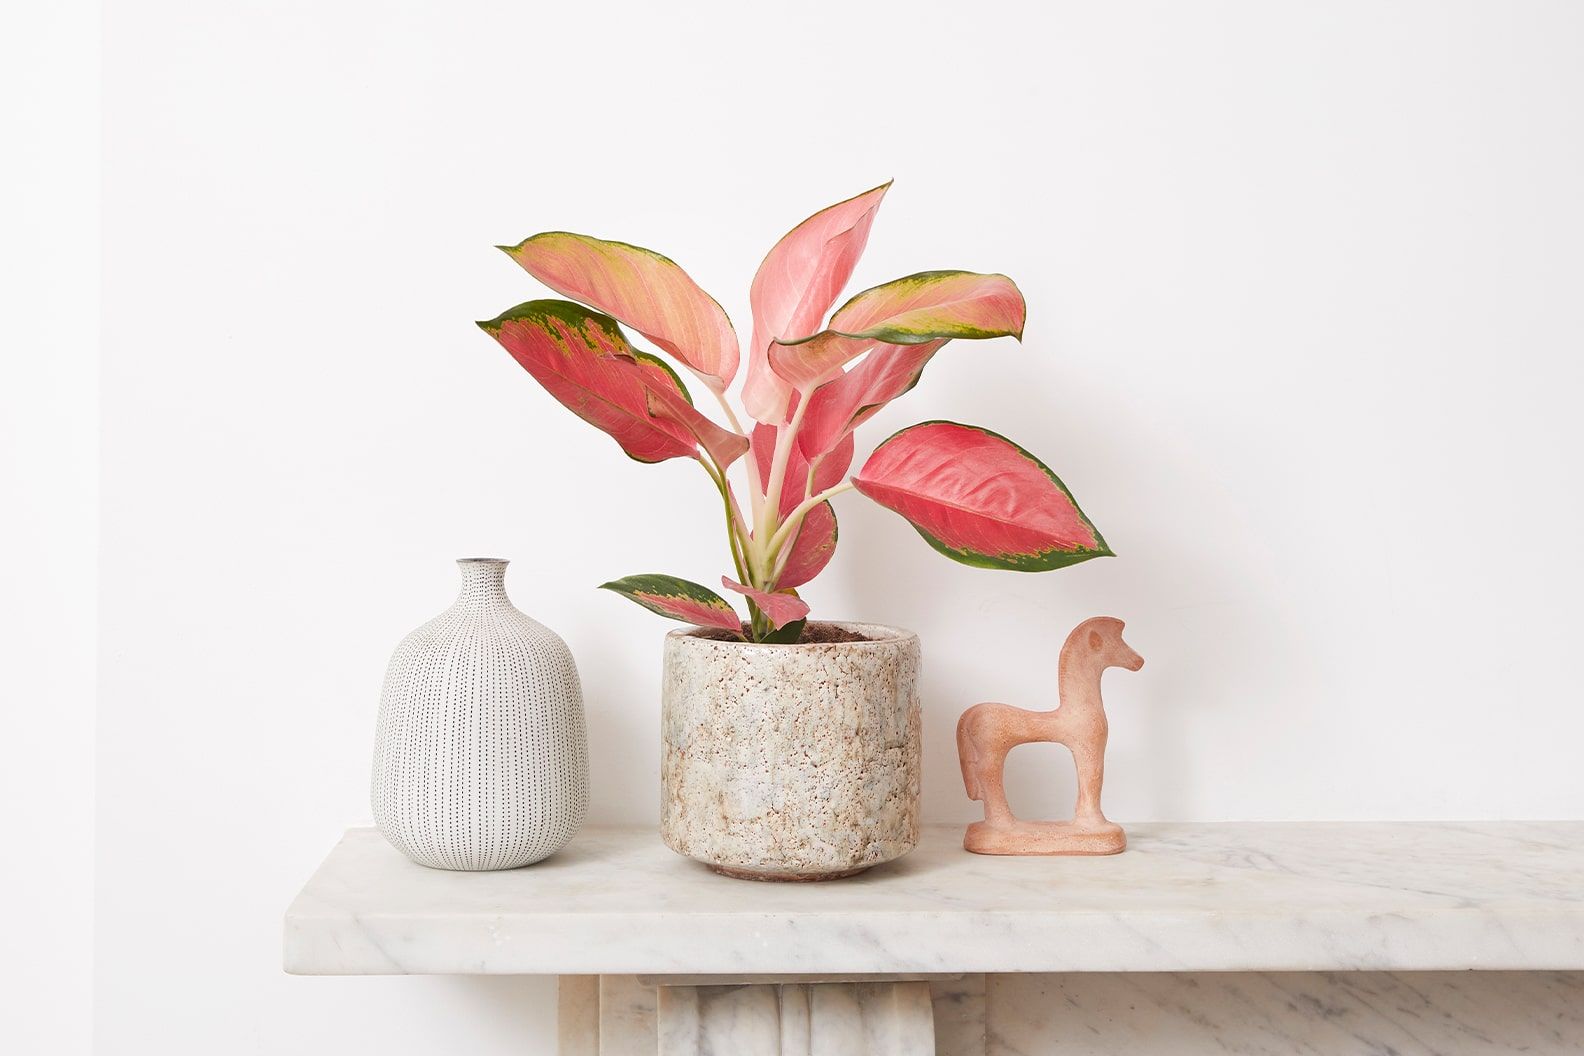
<point x="986" y="732"/>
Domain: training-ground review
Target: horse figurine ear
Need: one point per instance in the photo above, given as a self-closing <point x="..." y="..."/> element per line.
<point x="987" y="732"/>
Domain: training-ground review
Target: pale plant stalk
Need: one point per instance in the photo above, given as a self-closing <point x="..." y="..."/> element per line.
<point x="781" y="551"/>
<point x="795" y="518"/>
<point x="717" y="476"/>
<point x="813" y="470"/>
<point x="770" y="520"/>
<point x="760" y="555"/>
<point x="755" y="498"/>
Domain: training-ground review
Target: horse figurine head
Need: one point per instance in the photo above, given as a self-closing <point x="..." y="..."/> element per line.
<point x="1099" y="641"/>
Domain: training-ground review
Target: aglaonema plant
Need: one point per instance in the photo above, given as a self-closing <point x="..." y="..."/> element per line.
<point x="810" y="381"/>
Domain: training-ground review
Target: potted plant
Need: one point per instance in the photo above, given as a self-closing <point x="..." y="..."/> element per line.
<point x="791" y="748"/>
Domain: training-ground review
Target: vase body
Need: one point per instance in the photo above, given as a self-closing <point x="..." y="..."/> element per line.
<point x="481" y="755"/>
<point x="791" y="762"/>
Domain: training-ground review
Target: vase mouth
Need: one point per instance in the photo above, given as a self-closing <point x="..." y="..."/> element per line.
<point x="876" y="635"/>
<point x="483" y="560"/>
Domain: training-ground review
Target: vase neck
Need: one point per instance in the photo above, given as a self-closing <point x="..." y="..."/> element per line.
<point x="483" y="582"/>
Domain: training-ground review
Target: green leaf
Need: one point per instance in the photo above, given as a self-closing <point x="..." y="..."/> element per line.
<point x="788" y="634"/>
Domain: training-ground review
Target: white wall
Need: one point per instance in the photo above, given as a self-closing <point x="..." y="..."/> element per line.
<point x="49" y="443"/>
<point x="1304" y="338"/>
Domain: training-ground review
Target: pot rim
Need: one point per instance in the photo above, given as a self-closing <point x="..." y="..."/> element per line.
<point x="881" y="635"/>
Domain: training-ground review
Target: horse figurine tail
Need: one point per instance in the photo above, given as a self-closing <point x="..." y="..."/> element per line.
<point x="968" y="756"/>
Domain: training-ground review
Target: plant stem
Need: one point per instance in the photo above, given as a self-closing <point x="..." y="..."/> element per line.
<point x="785" y="438"/>
<point x="731" y="415"/>
<point x="733" y="518"/>
<point x="808" y="482"/>
<point x="795" y="518"/>
<point x="755" y="492"/>
<point x="769" y="523"/>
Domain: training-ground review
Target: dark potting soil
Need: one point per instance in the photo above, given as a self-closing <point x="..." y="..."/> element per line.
<point x="813" y="634"/>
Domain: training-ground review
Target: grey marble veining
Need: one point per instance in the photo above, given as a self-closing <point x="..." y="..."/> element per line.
<point x="1287" y="1014"/>
<point x="959" y="1015"/>
<point x="724" y="1020"/>
<point x="796" y="1015"/>
<point x="1230" y="897"/>
<point x="797" y="1019"/>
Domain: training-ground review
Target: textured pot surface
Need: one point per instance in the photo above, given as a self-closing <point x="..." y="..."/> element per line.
<point x="481" y="756"/>
<point x="791" y="762"/>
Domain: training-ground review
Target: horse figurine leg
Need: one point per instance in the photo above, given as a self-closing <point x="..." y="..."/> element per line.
<point x="1089" y="762"/>
<point x="991" y="776"/>
<point x="983" y="765"/>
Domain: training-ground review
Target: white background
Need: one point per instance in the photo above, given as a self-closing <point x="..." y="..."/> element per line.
<point x="49" y="450"/>
<point x="1304" y="338"/>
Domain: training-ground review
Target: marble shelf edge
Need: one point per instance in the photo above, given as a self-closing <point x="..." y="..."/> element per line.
<point x="364" y="954"/>
<point x="338" y="926"/>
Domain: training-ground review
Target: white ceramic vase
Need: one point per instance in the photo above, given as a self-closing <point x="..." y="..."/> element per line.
<point x="791" y="762"/>
<point x="481" y="755"/>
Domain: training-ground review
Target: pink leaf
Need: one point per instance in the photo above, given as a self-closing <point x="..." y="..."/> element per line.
<point x="980" y="499"/>
<point x="830" y="468"/>
<point x="929" y="306"/>
<point x="678" y="599"/>
<point x="781" y="609"/>
<point x="761" y="449"/>
<point x="838" y="407"/>
<point x="641" y="288"/>
<point x="812" y="549"/>
<point x="584" y="361"/>
<point x="723" y="446"/>
<point x="800" y="279"/>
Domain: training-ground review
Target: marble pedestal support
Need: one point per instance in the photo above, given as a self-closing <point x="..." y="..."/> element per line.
<point x="1080" y="1014"/>
<point x="615" y="1015"/>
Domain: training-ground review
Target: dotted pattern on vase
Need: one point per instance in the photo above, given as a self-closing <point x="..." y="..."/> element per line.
<point x="481" y="753"/>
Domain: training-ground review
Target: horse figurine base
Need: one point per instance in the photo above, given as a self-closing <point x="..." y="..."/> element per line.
<point x="1045" y="837"/>
<point x="987" y="732"/>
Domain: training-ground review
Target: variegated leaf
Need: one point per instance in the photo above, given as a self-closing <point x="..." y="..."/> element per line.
<point x="678" y="599"/>
<point x="641" y="288"/>
<point x="722" y="445"/>
<point x="980" y="499"/>
<point x="838" y="407"/>
<point x="584" y="360"/>
<point x="779" y="609"/>
<point x="800" y="279"/>
<point x="929" y="306"/>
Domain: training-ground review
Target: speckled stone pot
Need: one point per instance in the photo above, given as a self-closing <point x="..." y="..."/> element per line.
<point x="791" y="762"/>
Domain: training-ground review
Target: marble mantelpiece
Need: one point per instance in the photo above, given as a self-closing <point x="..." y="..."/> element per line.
<point x="1183" y="898"/>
